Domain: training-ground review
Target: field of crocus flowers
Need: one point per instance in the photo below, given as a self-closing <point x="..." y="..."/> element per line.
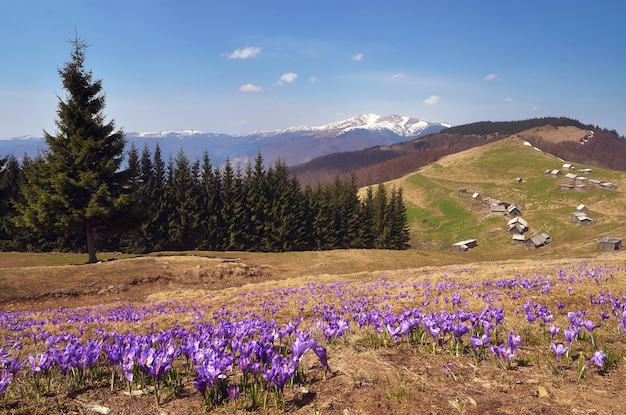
<point x="485" y="338"/>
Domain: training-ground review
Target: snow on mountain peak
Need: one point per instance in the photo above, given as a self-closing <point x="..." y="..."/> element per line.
<point x="157" y="134"/>
<point x="400" y="125"/>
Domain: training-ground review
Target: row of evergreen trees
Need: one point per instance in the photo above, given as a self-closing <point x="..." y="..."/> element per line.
<point x="198" y="205"/>
<point x="184" y="205"/>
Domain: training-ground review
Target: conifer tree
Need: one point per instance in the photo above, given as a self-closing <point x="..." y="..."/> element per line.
<point x="398" y="233"/>
<point x="381" y="217"/>
<point x="348" y="209"/>
<point x="367" y="235"/>
<point x="227" y="213"/>
<point x="237" y="239"/>
<point x="211" y="204"/>
<point x="284" y="224"/>
<point x="78" y="183"/>
<point x="257" y="203"/>
<point x="155" y="200"/>
<point x="10" y="184"/>
<point x="130" y="241"/>
<point x="184" y="218"/>
<point x="324" y="235"/>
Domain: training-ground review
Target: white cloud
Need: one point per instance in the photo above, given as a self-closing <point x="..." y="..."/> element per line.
<point x="534" y="108"/>
<point x="287" y="78"/>
<point x="399" y="75"/>
<point x="245" y="53"/>
<point x="490" y="77"/>
<point x="432" y="100"/>
<point x="249" y="88"/>
<point x="313" y="79"/>
<point x="357" y="57"/>
<point x="508" y="99"/>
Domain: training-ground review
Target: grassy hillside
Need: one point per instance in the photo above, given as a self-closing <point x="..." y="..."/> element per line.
<point x="563" y="137"/>
<point x="440" y="215"/>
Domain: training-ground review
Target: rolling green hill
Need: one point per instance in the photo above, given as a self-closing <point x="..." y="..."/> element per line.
<point x="440" y="215"/>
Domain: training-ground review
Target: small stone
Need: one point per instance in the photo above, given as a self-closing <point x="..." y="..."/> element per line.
<point x="542" y="392"/>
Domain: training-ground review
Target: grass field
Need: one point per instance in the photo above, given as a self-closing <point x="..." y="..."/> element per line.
<point x="496" y="330"/>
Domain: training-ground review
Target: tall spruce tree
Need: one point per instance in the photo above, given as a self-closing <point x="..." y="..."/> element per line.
<point x="78" y="183"/>
<point x="10" y="185"/>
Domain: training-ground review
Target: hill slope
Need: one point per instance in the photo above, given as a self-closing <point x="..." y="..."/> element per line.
<point x="441" y="215"/>
<point x="566" y="138"/>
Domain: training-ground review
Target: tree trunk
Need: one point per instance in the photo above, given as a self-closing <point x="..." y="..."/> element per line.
<point x="91" y="243"/>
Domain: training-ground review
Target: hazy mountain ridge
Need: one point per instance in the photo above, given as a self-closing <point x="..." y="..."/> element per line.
<point x="294" y="144"/>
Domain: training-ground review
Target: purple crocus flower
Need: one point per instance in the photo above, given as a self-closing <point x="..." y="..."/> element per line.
<point x="320" y="351"/>
<point x="64" y="358"/>
<point x="622" y="321"/>
<point x="41" y="362"/>
<point x="301" y="345"/>
<point x="233" y="391"/>
<point x="590" y="326"/>
<point x="5" y="378"/>
<point x="15" y="365"/>
<point x="128" y="363"/>
<point x="559" y="349"/>
<point x="478" y="342"/>
<point x="597" y="358"/>
<point x="571" y="333"/>
<point x="553" y="330"/>
<point x="514" y="341"/>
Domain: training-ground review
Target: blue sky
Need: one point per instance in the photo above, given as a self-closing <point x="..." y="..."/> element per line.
<point x="235" y="66"/>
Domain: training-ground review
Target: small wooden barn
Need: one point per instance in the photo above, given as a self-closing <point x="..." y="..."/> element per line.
<point x="497" y="209"/>
<point x="608" y="185"/>
<point x="464" y="246"/>
<point x="519" y="239"/>
<point x="583" y="220"/>
<point x="610" y="244"/>
<point x="517" y="226"/>
<point x="537" y="241"/>
<point x="514" y="210"/>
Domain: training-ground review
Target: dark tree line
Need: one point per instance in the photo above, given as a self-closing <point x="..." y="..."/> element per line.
<point x="506" y="128"/>
<point x="196" y="205"/>
<point x="185" y="205"/>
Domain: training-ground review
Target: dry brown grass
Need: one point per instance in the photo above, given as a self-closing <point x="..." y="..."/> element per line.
<point x="555" y="134"/>
<point x="369" y="375"/>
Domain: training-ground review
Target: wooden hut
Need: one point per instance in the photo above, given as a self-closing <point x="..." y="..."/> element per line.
<point x="464" y="246"/>
<point x="514" y="210"/>
<point x="498" y="210"/>
<point x="583" y="220"/>
<point x="519" y="239"/>
<point x="517" y="226"/>
<point x="582" y="208"/>
<point x="537" y="241"/>
<point x="610" y="244"/>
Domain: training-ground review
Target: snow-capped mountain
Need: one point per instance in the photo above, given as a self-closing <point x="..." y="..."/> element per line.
<point x="294" y="145"/>
<point x="402" y="126"/>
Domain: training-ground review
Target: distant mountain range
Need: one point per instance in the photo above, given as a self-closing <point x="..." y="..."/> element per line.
<point x="294" y="145"/>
